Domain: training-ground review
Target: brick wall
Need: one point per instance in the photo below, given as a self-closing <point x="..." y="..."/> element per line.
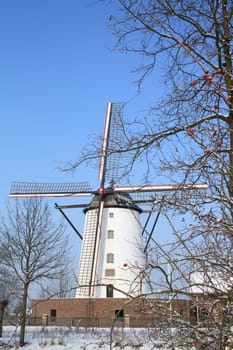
<point x="139" y="312"/>
<point x="106" y="308"/>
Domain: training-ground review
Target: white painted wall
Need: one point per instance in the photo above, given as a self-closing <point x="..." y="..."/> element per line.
<point x="127" y="249"/>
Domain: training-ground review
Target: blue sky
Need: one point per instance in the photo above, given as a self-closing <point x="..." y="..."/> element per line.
<point x="57" y="73"/>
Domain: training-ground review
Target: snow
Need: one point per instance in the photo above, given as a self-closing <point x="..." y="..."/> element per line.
<point x="69" y="338"/>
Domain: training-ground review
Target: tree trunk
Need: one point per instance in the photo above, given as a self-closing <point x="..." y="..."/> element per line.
<point x="3" y="304"/>
<point x="24" y="315"/>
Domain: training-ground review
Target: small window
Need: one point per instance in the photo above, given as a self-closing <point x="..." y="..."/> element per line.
<point x="110" y="234"/>
<point x="53" y="314"/>
<point x="119" y="313"/>
<point x="109" y="291"/>
<point x="110" y="258"/>
<point x="109" y="272"/>
<point x="204" y="314"/>
<point x="111" y="215"/>
<point x="195" y="311"/>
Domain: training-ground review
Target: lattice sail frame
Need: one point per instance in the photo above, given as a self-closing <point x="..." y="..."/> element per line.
<point x="139" y="194"/>
<point x="112" y="140"/>
<point x="39" y="189"/>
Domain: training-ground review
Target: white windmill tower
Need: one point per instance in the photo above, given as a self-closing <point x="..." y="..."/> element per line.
<point x="112" y="256"/>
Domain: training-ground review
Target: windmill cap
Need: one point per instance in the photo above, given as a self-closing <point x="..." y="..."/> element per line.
<point x="113" y="200"/>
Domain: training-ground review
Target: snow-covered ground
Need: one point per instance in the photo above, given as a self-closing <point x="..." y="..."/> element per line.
<point x="70" y="338"/>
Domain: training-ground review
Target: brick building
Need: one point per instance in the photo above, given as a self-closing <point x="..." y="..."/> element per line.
<point x="104" y="312"/>
<point x="138" y="312"/>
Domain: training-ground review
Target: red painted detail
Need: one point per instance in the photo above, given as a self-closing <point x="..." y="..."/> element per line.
<point x="102" y="190"/>
<point x="104" y="142"/>
<point x="97" y="247"/>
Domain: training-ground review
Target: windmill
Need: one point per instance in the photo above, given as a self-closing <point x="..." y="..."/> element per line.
<point x="112" y="248"/>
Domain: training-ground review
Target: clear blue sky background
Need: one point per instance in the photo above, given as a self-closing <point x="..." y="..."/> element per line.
<point x="57" y="74"/>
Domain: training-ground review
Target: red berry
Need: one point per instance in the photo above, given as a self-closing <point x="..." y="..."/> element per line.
<point x="125" y="265"/>
<point x="191" y="132"/>
<point x="219" y="143"/>
<point x="229" y="98"/>
<point x="214" y="132"/>
<point x="193" y="83"/>
<point x="219" y="71"/>
<point x="207" y="151"/>
<point x="209" y="81"/>
<point x="216" y="107"/>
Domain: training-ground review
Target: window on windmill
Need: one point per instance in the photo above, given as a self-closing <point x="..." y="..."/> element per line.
<point x="109" y="291"/>
<point x="111" y="214"/>
<point x="110" y="258"/>
<point x="109" y="272"/>
<point x="110" y="234"/>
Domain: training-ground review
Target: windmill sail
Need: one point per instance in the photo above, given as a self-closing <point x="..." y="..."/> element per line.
<point x="38" y="189"/>
<point x="84" y="283"/>
<point x="109" y="163"/>
<point x="112" y="139"/>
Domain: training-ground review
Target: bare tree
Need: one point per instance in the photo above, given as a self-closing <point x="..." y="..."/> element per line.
<point x="192" y="42"/>
<point x="8" y="292"/>
<point x="34" y="247"/>
<point x="61" y="287"/>
<point x="186" y="136"/>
